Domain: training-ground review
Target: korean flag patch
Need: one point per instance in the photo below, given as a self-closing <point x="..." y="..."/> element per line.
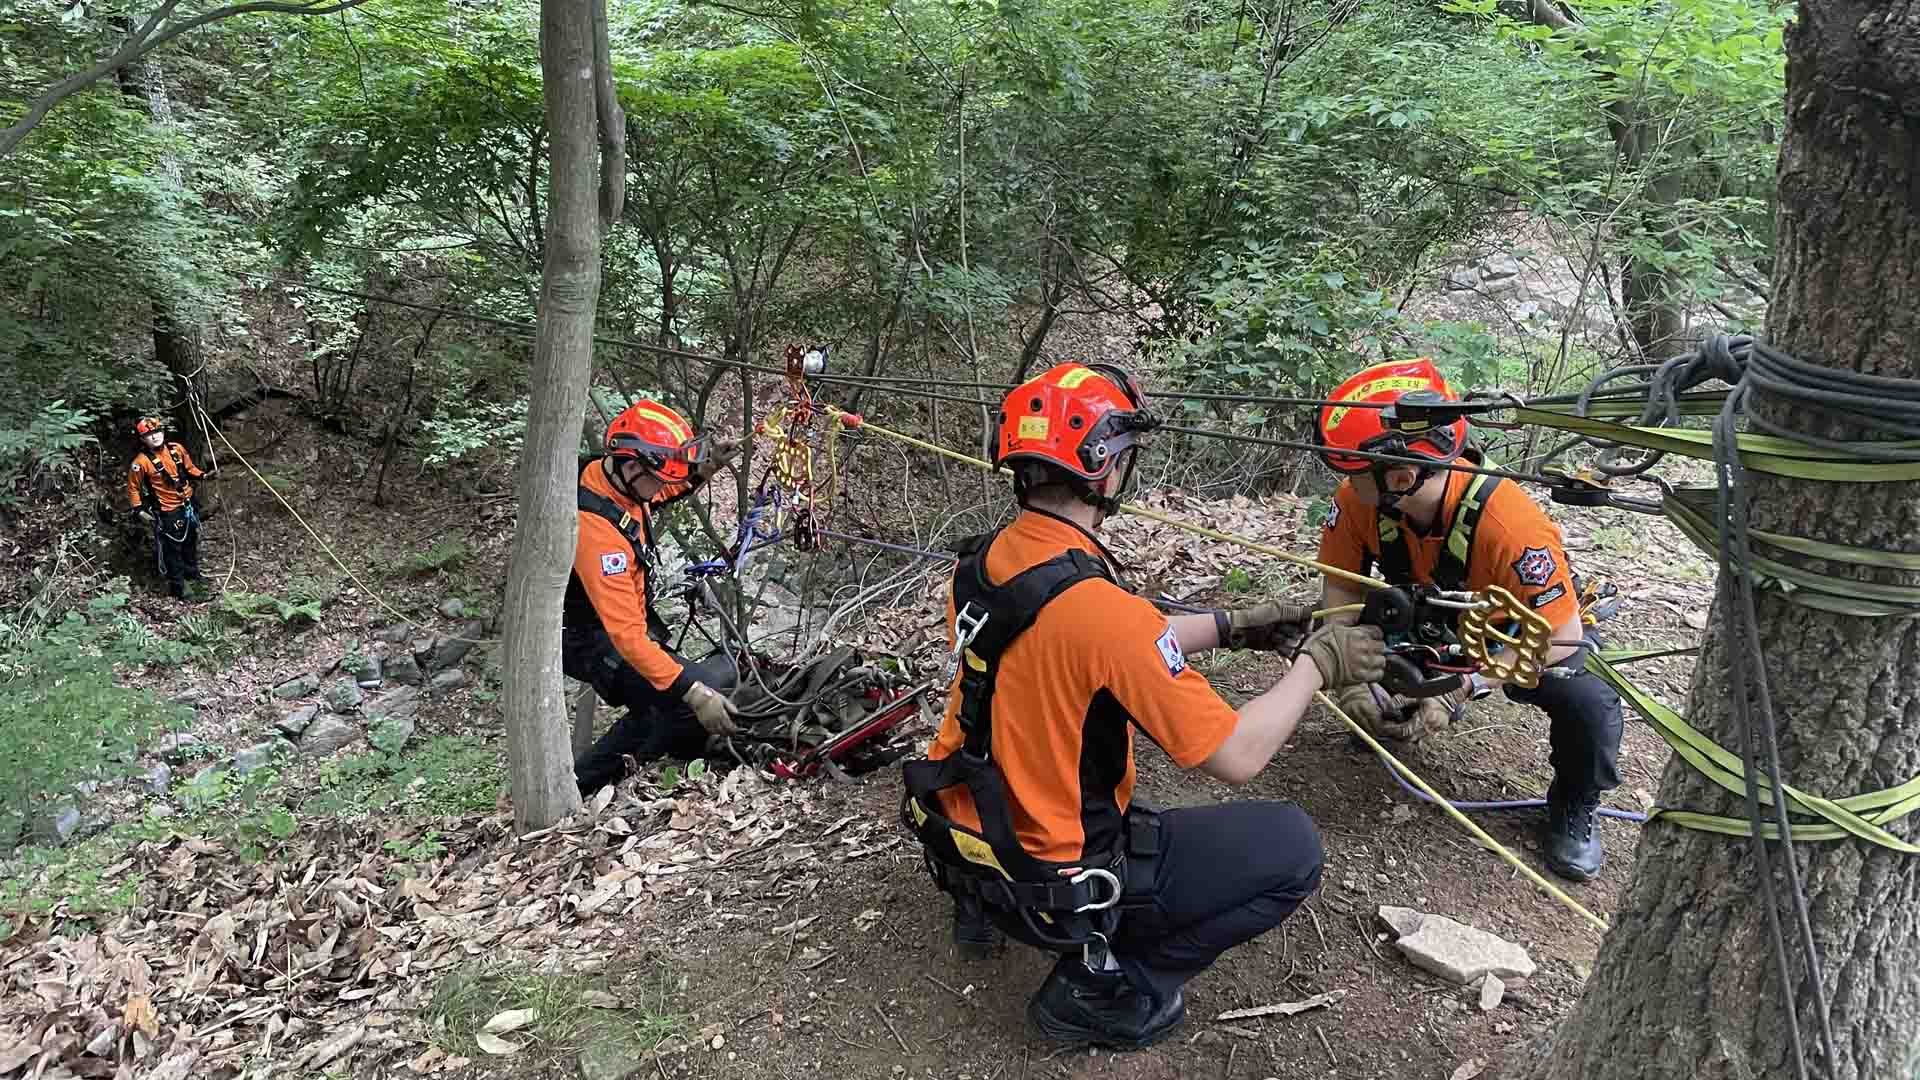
<point x="1170" y="653"/>
<point x="612" y="563"/>
<point x="1535" y="566"/>
<point x="1333" y="517"/>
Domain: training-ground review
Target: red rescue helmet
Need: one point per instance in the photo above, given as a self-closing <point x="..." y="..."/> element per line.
<point x="1344" y="427"/>
<point x="1078" y="417"/>
<point x="148" y="425"/>
<point x="657" y="437"/>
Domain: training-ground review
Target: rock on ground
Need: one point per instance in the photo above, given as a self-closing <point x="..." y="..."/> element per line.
<point x="174" y="744"/>
<point x="394" y="704"/>
<point x="402" y="668"/>
<point x="1454" y="951"/>
<point x="448" y="651"/>
<point x="329" y="733"/>
<point x="297" y="687"/>
<point x="450" y="679"/>
<point x="390" y="733"/>
<point x="612" y="1057"/>
<point x="257" y="756"/>
<point x="343" y="695"/>
<point x="295" y="722"/>
<point x="1491" y="991"/>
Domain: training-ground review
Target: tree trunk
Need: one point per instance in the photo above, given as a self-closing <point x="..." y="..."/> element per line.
<point x="1685" y="983"/>
<point x="538" y="747"/>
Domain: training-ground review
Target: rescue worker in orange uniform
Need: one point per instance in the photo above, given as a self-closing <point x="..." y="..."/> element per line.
<point x="1423" y="524"/>
<point x="160" y="489"/>
<point x="1024" y="804"/>
<point x="611" y="636"/>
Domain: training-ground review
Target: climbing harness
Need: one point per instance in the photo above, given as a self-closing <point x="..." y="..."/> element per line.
<point x="1059" y="907"/>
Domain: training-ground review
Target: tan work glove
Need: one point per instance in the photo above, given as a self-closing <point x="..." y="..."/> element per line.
<point x="1268" y="627"/>
<point x="1347" y="654"/>
<point x="712" y="708"/>
<point x="1360" y="705"/>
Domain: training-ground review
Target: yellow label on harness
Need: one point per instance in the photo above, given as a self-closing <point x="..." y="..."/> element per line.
<point x="919" y="814"/>
<point x="975" y="850"/>
<point x="974" y="661"/>
<point x="1033" y="427"/>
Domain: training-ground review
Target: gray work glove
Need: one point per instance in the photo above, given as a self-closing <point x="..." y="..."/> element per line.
<point x="1347" y="654"/>
<point x="719" y="455"/>
<point x="712" y="708"/>
<point x="1268" y="627"/>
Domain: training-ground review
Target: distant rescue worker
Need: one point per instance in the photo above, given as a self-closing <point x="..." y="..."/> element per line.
<point x="612" y="638"/>
<point x="160" y="487"/>
<point x="1429" y="525"/>
<point x="1024" y="803"/>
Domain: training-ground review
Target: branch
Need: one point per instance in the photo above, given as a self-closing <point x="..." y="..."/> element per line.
<point x="613" y="124"/>
<point x="1548" y="14"/>
<point x="143" y="42"/>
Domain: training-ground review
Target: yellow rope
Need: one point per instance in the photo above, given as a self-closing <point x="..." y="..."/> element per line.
<point x="1341" y="609"/>
<point x="1440" y="800"/>
<point x="324" y="546"/>
<point x="1478" y="833"/>
<point x="1140" y="511"/>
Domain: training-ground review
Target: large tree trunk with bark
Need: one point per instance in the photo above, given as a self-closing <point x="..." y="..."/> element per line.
<point x="1685" y="983"/>
<point x="539" y="752"/>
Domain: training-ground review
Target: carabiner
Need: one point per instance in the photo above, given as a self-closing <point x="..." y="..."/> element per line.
<point x="1097" y="905"/>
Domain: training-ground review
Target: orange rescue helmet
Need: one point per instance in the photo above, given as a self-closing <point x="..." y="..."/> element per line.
<point x="148" y="425"/>
<point x="1076" y="419"/>
<point x="658" y="437"/>
<point x="1365" y="426"/>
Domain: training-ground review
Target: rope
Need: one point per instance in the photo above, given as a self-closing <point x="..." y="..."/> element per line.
<point x="318" y="539"/>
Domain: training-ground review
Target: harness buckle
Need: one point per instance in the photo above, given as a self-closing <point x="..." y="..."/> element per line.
<point x="1107" y="876"/>
<point x="967" y="624"/>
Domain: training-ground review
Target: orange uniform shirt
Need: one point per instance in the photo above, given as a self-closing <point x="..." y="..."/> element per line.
<point x="614" y="576"/>
<point x="1515" y="545"/>
<point x="1094" y="638"/>
<point x="157" y="469"/>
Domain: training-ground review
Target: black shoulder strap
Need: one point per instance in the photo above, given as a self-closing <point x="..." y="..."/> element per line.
<point x="631" y="527"/>
<point x="1002" y="613"/>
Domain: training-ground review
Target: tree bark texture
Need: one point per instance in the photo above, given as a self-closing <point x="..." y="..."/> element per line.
<point x="538" y="748"/>
<point x="1685" y="984"/>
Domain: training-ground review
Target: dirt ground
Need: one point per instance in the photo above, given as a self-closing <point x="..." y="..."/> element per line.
<point x="839" y="964"/>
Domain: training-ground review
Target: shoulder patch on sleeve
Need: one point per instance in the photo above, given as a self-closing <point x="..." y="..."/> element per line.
<point x="1535" y="566"/>
<point x="1548" y="597"/>
<point x="1170" y="653"/>
<point x="613" y="562"/>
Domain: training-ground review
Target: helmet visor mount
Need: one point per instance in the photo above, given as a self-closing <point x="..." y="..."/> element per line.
<point x="657" y="457"/>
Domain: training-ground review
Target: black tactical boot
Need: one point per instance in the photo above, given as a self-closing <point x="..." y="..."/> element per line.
<point x="1570" y="841"/>
<point x="973" y="932"/>
<point x="1079" y="1006"/>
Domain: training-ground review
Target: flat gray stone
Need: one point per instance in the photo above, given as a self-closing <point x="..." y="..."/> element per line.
<point x="370" y="675"/>
<point x="397" y="634"/>
<point x="297" y="687"/>
<point x="193" y="697"/>
<point x="402" y="668"/>
<point x="1491" y="991"/>
<point x="257" y="756"/>
<point x="394" y="704"/>
<point x="1463" y="280"/>
<point x="343" y="695"/>
<point x="158" y="777"/>
<point x="60" y="825"/>
<point x="329" y="733"/>
<point x="1495" y="267"/>
<point x="1461" y="953"/>
<point x="448" y="651"/>
<point x="453" y="607"/>
<point x="1402" y="921"/>
<point x="295" y="722"/>
<point x="450" y="679"/>
<point x="173" y="745"/>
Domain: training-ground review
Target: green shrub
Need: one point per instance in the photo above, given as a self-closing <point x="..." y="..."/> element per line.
<point x="245" y="607"/>
<point x="63" y="717"/>
<point x="445" y="554"/>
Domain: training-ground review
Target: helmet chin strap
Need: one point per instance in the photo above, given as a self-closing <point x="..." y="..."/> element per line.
<point x="1389" y="501"/>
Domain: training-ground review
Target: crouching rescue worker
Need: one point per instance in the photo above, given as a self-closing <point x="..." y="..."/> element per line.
<point x="611" y="637"/>
<point x="1427" y="525"/>
<point x="1024" y="802"/>
<point x="160" y="488"/>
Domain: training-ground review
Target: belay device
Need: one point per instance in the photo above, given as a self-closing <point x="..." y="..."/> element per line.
<point x="1437" y="637"/>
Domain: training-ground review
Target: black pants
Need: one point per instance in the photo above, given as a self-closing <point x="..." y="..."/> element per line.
<point x="1585" y="733"/>
<point x="176" y="547"/>
<point x="1224" y="875"/>
<point x="655" y="723"/>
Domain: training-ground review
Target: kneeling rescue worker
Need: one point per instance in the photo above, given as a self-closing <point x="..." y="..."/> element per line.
<point x="611" y="637"/>
<point x="160" y="487"/>
<point x="1423" y="524"/>
<point x="1024" y="804"/>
